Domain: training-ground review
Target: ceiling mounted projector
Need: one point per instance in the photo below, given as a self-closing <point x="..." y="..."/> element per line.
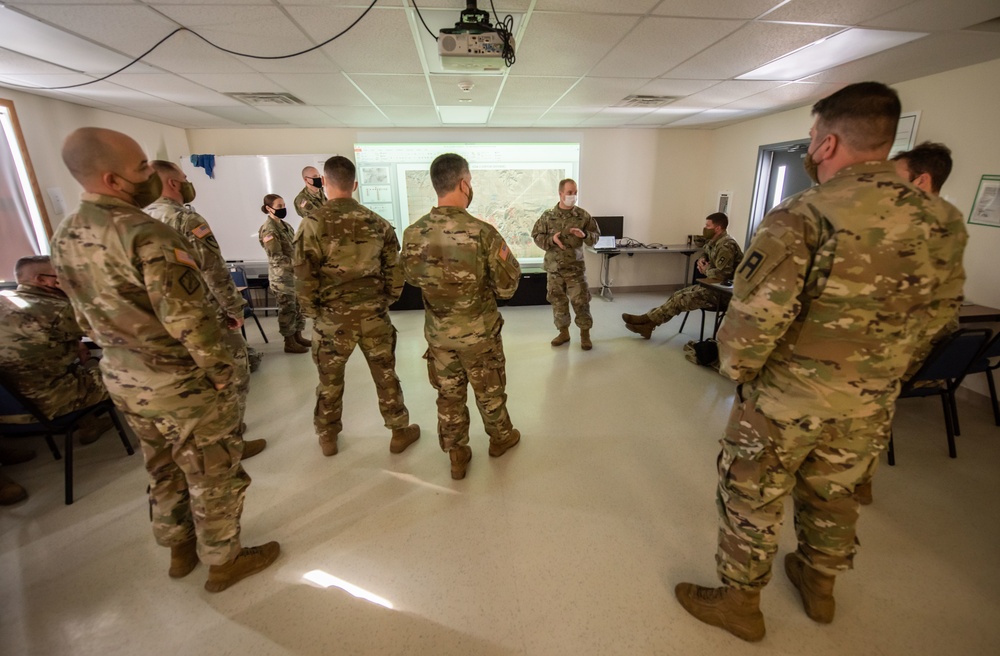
<point x="474" y="44"/>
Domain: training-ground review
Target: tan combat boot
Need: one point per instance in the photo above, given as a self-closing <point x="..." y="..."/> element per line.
<point x="732" y="609"/>
<point x="636" y="318"/>
<point x="11" y="492"/>
<point x="92" y="428"/>
<point x="403" y="437"/>
<point x="248" y="562"/>
<point x="302" y="340"/>
<point x="644" y="329"/>
<point x="183" y="559"/>
<point x="585" y="342"/>
<point x="292" y="345"/>
<point x="815" y="588"/>
<point x="460" y="457"/>
<point x="863" y="493"/>
<point x="252" y="448"/>
<point x="561" y="338"/>
<point x="497" y="449"/>
<point x="329" y="445"/>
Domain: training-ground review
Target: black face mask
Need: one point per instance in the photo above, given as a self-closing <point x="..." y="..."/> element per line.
<point x="315" y="181"/>
<point x="280" y="213"/>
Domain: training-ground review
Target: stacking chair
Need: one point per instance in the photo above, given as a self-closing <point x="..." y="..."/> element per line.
<point x="987" y="362"/>
<point x="240" y="279"/>
<point x="13" y="403"/>
<point x="941" y="374"/>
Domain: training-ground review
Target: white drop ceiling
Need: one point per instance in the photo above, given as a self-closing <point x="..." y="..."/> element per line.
<point x="576" y="59"/>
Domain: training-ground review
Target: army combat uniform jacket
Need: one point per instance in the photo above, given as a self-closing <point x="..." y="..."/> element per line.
<point x="39" y="351"/>
<point x="306" y="202"/>
<point x="206" y="249"/>
<point x="276" y="240"/>
<point x="346" y="255"/>
<point x="461" y="265"/>
<point x="137" y="291"/>
<point x="723" y="255"/>
<point x="559" y="220"/>
<point x="841" y="285"/>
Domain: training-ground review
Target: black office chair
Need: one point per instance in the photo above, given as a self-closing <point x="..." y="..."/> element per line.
<point x="941" y="374"/>
<point x="240" y="279"/>
<point x="983" y="364"/>
<point x="13" y="403"/>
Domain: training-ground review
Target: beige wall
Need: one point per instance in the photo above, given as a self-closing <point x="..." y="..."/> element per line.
<point x="45" y="123"/>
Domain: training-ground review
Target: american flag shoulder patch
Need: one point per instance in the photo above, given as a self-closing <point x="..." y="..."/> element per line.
<point x="504" y="251"/>
<point x="184" y="257"/>
<point x="268" y="238"/>
<point x="202" y="231"/>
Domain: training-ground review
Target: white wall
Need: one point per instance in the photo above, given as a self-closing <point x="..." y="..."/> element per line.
<point x="45" y="123"/>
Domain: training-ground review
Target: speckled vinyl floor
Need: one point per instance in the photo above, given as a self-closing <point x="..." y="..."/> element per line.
<point x="571" y="543"/>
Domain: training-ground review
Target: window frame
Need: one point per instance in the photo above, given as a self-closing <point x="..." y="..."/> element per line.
<point x="29" y="168"/>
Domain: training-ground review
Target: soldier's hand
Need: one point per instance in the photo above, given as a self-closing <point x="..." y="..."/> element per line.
<point x="234" y="323"/>
<point x="577" y="232"/>
<point x="555" y="238"/>
<point x="702" y="265"/>
<point x="220" y="386"/>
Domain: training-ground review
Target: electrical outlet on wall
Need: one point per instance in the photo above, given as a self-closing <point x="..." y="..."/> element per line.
<point x="57" y="201"/>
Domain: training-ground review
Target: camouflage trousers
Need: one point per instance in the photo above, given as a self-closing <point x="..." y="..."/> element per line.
<point x="334" y="338"/>
<point x="450" y="373"/>
<point x="239" y="387"/>
<point x="79" y="388"/>
<point x="818" y="462"/>
<point x="566" y="287"/>
<point x="693" y="297"/>
<point x="290" y="318"/>
<point x="196" y="481"/>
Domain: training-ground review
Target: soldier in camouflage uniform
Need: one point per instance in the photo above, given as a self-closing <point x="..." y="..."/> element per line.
<point x="276" y="239"/>
<point x="171" y="208"/>
<point x="137" y="291"/>
<point x="562" y="233"/>
<point x="840" y="286"/>
<point x="462" y="265"/>
<point x="312" y="197"/>
<point x="41" y="352"/>
<point x="722" y="256"/>
<point x="347" y="275"/>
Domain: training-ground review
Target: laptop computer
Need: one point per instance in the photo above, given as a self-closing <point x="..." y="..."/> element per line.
<point x="605" y="243"/>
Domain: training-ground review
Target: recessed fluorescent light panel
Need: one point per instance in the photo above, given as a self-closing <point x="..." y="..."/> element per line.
<point x="830" y="52"/>
<point x="464" y="114"/>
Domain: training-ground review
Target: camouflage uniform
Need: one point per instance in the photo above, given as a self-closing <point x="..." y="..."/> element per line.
<point x="346" y="275"/>
<point x="841" y="285"/>
<point x="137" y="291"/>
<point x="462" y="265"/>
<point x="230" y="302"/>
<point x="39" y="355"/>
<point x="306" y="202"/>
<point x="566" y="280"/>
<point x="276" y="239"/>
<point x="723" y="255"/>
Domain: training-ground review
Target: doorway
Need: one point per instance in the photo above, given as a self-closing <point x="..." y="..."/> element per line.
<point x="780" y="174"/>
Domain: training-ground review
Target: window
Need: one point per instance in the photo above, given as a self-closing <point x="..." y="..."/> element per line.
<point x="24" y="226"/>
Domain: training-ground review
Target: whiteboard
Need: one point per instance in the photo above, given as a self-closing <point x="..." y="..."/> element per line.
<point x="231" y="201"/>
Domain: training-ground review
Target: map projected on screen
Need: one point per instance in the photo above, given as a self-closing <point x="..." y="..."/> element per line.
<point x="513" y="183"/>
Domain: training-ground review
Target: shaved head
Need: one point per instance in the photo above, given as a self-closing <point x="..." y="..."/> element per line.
<point x="101" y="159"/>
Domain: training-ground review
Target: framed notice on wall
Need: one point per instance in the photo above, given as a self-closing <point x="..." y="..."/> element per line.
<point x="906" y="133"/>
<point x="986" y="207"/>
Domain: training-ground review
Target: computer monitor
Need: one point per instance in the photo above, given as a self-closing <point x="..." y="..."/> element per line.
<point x="611" y="225"/>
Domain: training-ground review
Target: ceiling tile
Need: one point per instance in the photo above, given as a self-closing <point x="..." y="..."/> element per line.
<point x="744" y="9"/>
<point x="657" y="45"/>
<point x="34" y="83"/>
<point x="360" y="117"/>
<point x="243" y="115"/>
<point x="515" y="116"/>
<point x="419" y="116"/>
<point x="566" y="116"/>
<point x="502" y="6"/>
<point x="235" y="82"/>
<point x="752" y="46"/>
<point x="312" y="62"/>
<point x="129" y="29"/>
<point x="937" y="15"/>
<point x="597" y="6"/>
<point x="729" y="91"/>
<point x="667" y="87"/>
<point x="787" y="95"/>
<point x="309" y="117"/>
<point x="533" y="91"/>
<point x="18" y="64"/>
<point x="320" y="89"/>
<point x="174" y="88"/>
<point x="833" y="12"/>
<point x="394" y="89"/>
<point x="447" y="91"/>
<point x="613" y="117"/>
<point x="186" y="53"/>
<point x="115" y="94"/>
<point x="259" y="30"/>
<point x="602" y="91"/>
<point x="663" y="116"/>
<point x="556" y="44"/>
<point x="188" y="117"/>
<point x="387" y="27"/>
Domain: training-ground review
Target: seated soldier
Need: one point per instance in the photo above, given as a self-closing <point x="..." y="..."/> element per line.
<point x="722" y="256"/>
<point x="42" y="354"/>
